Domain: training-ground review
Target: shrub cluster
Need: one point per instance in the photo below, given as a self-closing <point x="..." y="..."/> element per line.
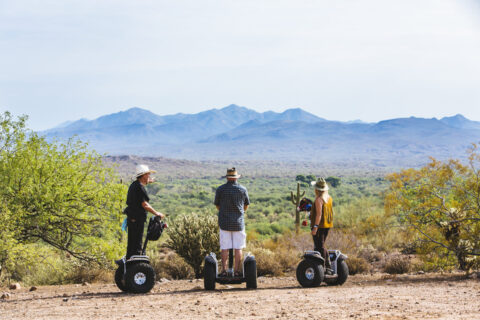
<point x="357" y="265"/>
<point x="167" y="264"/>
<point x="398" y="264"/>
<point x="192" y="237"/>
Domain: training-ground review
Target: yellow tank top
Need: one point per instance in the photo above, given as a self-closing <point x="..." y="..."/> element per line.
<point x="326" y="220"/>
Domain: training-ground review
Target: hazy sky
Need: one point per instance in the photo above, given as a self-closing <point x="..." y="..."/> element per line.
<point x="342" y="60"/>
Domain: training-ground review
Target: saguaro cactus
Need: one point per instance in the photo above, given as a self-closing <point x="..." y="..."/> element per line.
<point x="296" y="201"/>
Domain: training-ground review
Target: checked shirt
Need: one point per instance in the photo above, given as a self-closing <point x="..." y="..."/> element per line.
<point x="231" y="197"/>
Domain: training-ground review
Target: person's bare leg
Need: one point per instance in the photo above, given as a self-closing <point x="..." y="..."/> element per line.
<point x="224" y="259"/>
<point x="238" y="260"/>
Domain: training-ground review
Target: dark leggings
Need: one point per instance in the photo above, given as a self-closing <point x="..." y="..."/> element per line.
<point x="319" y="243"/>
<point x="135" y="236"/>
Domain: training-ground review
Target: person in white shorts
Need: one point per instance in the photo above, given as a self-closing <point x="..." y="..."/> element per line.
<point x="231" y="200"/>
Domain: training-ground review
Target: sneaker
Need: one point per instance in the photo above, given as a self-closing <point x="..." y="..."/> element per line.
<point x="328" y="271"/>
<point x="238" y="274"/>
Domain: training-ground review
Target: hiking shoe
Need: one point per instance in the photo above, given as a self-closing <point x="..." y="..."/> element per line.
<point x="223" y="274"/>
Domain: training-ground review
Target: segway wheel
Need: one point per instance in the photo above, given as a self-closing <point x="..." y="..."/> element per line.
<point x="140" y="277"/>
<point x="251" y="274"/>
<point x="309" y="273"/>
<point x="342" y="272"/>
<point x="209" y="275"/>
<point x="119" y="281"/>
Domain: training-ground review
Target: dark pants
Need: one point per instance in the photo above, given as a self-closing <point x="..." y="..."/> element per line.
<point x="135" y="237"/>
<point x="319" y="243"/>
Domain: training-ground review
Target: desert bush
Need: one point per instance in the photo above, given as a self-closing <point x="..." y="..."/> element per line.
<point x="192" y="237"/>
<point x="37" y="264"/>
<point x="85" y="273"/>
<point x="59" y="195"/>
<point x="357" y="265"/>
<point x="267" y="262"/>
<point x="433" y="261"/>
<point x="398" y="264"/>
<point x="168" y="264"/>
<point x="343" y="241"/>
<point x="337" y="239"/>
<point x="284" y="250"/>
<point x="440" y="204"/>
<point x="370" y="254"/>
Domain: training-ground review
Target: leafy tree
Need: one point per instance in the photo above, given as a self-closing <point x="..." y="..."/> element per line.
<point x="301" y="178"/>
<point x="440" y="205"/>
<point x="57" y="194"/>
<point x="333" y="181"/>
<point x="193" y="237"/>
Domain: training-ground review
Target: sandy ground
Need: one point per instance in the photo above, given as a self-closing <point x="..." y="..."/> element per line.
<point x="431" y="296"/>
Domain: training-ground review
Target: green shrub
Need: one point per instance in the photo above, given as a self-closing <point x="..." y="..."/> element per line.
<point x="194" y="236"/>
<point x="38" y="264"/>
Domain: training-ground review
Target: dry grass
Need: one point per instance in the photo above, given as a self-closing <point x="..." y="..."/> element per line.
<point x="357" y="265"/>
<point x="86" y="274"/>
<point x="167" y="264"/>
<point x="398" y="264"/>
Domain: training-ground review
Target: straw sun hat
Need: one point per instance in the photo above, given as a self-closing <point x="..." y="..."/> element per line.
<point x="232" y="173"/>
<point x="320" y="184"/>
<point x="142" y="169"/>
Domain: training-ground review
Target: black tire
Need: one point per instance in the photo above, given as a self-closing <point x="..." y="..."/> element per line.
<point x="140" y="277"/>
<point x="209" y="275"/>
<point x="309" y="273"/>
<point x="119" y="281"/>
<point x="251" y="274"/>
<point x="342" y="272"/>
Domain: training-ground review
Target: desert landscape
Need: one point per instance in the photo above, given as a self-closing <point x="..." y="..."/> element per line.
<point x="378" y="296"/>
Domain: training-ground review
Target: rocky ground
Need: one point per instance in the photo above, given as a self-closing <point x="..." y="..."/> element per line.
<point x="427" y="296"/>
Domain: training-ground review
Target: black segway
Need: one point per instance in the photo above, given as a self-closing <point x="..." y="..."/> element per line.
<point x="211" y="276"/>
<point x="136" y="274"/>
<point x="311" y="273"/>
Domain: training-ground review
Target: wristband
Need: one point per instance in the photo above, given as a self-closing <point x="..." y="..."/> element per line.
<point x="315" y="226"/>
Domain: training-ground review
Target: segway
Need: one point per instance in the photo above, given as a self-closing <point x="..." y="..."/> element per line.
<point x="211" y="276"/>
<point x="136" y="275"/>
<point x="311" y="272"/>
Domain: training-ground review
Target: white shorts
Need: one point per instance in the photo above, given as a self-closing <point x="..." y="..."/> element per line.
<point x="232" y="239"/>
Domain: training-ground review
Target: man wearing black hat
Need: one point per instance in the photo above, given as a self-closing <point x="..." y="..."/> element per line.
<point x="231" y="200"/>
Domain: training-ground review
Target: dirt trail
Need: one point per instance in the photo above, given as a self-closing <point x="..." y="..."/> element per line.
<point x="362" y="297"/>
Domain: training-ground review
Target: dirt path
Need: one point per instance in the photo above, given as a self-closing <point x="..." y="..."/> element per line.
<point x="362" y="297"/>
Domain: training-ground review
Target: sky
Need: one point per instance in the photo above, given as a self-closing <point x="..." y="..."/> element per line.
<point x="341" y="60"/>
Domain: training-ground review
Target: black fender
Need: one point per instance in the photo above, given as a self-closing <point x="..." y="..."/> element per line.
<point x="314" y="256"/>
<point x="342" y="256"/>
<point x="211" y="259"/>
<point x="249" y="259"/>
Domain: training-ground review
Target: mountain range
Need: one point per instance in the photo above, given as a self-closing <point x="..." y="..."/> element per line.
<point x="240" y="133"/>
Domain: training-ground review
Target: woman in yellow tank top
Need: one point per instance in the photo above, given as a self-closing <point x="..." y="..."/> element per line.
<point x="321" y="219"/>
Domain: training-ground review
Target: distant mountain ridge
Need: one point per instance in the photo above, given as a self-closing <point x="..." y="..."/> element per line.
<point x="236" y="132"/>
